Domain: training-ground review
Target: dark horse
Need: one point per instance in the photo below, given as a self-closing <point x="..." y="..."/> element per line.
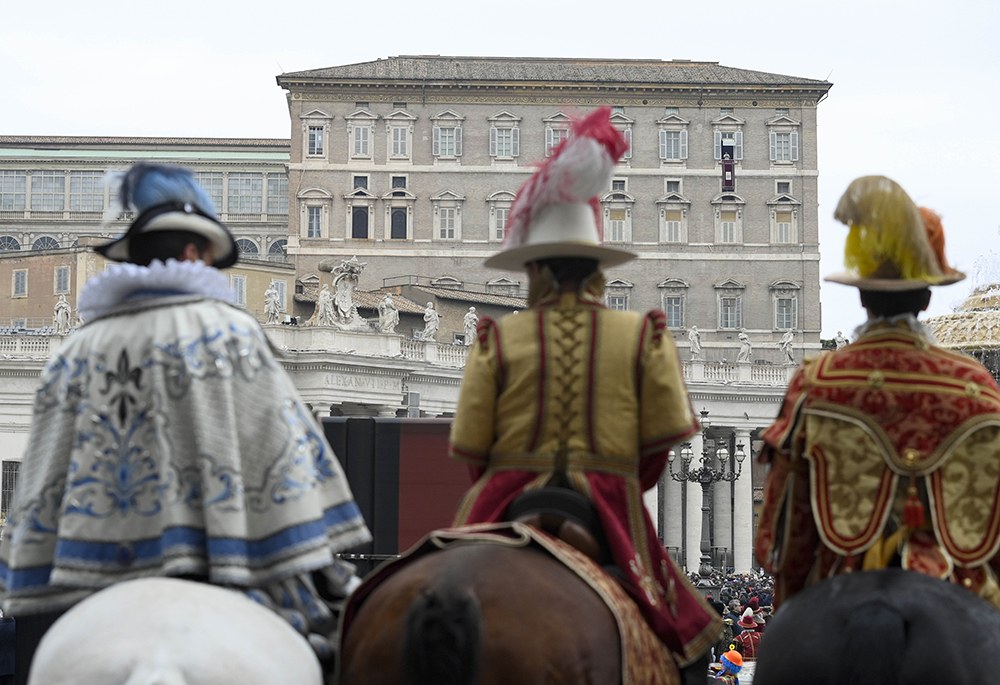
<point x="891" y="627"/>
<point x="488" y="615"/>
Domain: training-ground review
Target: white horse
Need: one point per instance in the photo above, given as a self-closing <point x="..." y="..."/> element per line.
<point x="164" y="631"/>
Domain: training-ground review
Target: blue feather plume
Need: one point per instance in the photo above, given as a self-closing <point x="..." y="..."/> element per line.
<point x="148" y="185"/>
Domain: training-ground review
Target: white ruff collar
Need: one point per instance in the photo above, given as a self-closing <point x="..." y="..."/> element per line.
<point x="122" y="282"/>
<point x="909" y="319"/>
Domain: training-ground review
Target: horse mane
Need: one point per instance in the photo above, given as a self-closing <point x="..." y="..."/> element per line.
<point x="442" y="641"/>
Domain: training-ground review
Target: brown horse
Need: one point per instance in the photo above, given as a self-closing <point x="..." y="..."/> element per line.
<point x="482" y="614"/>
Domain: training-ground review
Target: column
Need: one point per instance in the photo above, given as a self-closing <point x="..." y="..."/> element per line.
<point x="743" y="508"/>
<point x="320" y="410"/>
<point x="673" y="515"/>
<point x="692" y="534"/>
<point x="722" y="515"/>
<point x="386" y="411"/>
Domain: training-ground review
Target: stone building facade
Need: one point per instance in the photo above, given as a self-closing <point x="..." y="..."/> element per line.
<point x="412" y="163"/>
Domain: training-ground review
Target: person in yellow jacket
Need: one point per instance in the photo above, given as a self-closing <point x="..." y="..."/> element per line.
<point x="571" y="393"/>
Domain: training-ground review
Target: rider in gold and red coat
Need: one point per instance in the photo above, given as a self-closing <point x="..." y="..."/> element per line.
<point x="571" y="392"/>
<point x="885" y="452"/>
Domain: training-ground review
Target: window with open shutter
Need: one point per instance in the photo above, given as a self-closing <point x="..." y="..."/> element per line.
<point x="684" y="144"/>
<point x="239" y="288"/>
<point x="738" y="137"/>
<point x="628" y="141"/>
<point x="436" y="141"/>
<point x="718" y="145"/>
<point x="458" y="141"/>
<point x="795" y="146"/>
<point x="515" y="142"/>
<point x="493" y="141"/>
<point x="280" y="286"/>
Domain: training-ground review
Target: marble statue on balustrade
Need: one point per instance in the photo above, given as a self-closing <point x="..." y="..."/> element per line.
<point x="746" y="347"/>
<point x="840" y="341"/>
<point x="63" y="315"/>
<point x="471" y="322"/>
<point x="272" y="305"/>
<point x="345" y="280"/>
<point x="432" y="322"/>
<point x="388" y="315"/>
<point x="694" y="338"/>
<point x="787" y="341"/>
<point x="324" y="309"/>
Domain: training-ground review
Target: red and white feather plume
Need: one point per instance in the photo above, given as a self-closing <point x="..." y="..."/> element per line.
<point x="579" y="169"/>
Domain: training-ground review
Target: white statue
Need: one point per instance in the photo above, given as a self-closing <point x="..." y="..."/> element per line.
<point x="388" y="315"/>
<point x="840" y="340"/>
<point x="63" y="316"/>
<point x="471" y="321"/>
<point x="272" y="304"/>
<point x="694" y="337"/>
<point x="432" y="321"/>
<point x="786" y="345"/>
<point x="746" y="349"/>
<point x="324" y="311"/>
<point x="345" y="280"/>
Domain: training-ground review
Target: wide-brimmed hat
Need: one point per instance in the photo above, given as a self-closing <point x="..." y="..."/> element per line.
<point x="168" y="198"/>
<point x="747" y="620"/>
<point x="893" y="245"/>
<point x="556" y="212"/>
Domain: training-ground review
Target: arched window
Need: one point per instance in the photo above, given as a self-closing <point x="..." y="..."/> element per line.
<point x="246" y="248"/>
<point x="45" y="243"/>
<point x="276" y="253"/>
<point x="9" y="243"/>
<point x="398" y="228"/>
<point x="359" y="223"/>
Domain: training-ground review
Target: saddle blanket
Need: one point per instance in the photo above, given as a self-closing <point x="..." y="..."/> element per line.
<point x="645" y="660"/>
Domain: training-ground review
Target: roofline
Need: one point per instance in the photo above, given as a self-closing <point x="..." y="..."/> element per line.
<point x="142" y="141"/>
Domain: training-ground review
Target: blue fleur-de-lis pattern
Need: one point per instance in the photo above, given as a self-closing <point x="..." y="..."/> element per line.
<point x="167" y="440"/>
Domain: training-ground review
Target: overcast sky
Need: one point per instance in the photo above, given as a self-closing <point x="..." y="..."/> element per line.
<point x="915" y="83"/>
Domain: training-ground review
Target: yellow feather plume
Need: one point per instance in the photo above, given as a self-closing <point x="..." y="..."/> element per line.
<point x="887" y="237"/>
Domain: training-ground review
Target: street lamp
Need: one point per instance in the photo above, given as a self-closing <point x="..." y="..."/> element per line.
<point x="706" y="474"/>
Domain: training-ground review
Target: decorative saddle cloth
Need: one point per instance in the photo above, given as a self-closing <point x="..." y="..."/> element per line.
<point x="645" y="660"/>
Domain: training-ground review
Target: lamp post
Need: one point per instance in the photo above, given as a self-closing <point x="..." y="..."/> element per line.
<point x="706" y="474"/>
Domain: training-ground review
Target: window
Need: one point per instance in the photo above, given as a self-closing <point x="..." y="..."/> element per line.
<point x="399" y="105"/>
<point x="554" y="136"/>
<point x="673" y="145"/>
<point x="62" y="280"/>
<point x="397" y="228"/>
<point x="86" y="191"/>
<point x="48" y="191"/>
<point x="281" y="287"/>
<point x="505" y="142"/>
<point x="211" y="181"/>
<point x="784" y="146"/>
<point x="723" y="111"/>
<point x="45" y="243"/>
<point x="361" y="105"/>
<point x="730" y="312"/>
<point x="671" y="110"/>
<point x="781" y="112"/>
<point x="359" y="223"/>
<point x="673" y="187"/>
<point x="8" y="243"/>
<point x="616" y="225"/>
<point x="672" y="225"/>
<point x="618" y="302"/>
<point x="399" y="182"/>
<point x="12" y="190"/>
<point x="238" y="284"/>
<point x="447" y="141"/>
<point x="362" y="141"/>
<point x="246" y="248"/>
<point x="783" y="227"/>
<point x="314" y="222"/>
<point x="276" y="253"/>
<point x="246" y="193"/>
<point x="277" y="193"/>
<point x="20" y="287"/>
<point x="784" y="313"/>
<point x="400" y="141"/>
<point x="784" y="187"/>
<point x="361" y="182"/>
<point x="8" y="487"/>
<point x="315" y="146"/>
<point x="500" y="227"/>
<point x="446" y="223"/>
<point x="727" y="227"/>
<point x="618" y="185"/>
<point x="674" y="309"/>
<point x="729" y="145"/>
<point x="617" y="109"/>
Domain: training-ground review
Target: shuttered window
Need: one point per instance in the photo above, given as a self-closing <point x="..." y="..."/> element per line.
<point x="447" y="141"/>
<point x="672" y="225"/>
